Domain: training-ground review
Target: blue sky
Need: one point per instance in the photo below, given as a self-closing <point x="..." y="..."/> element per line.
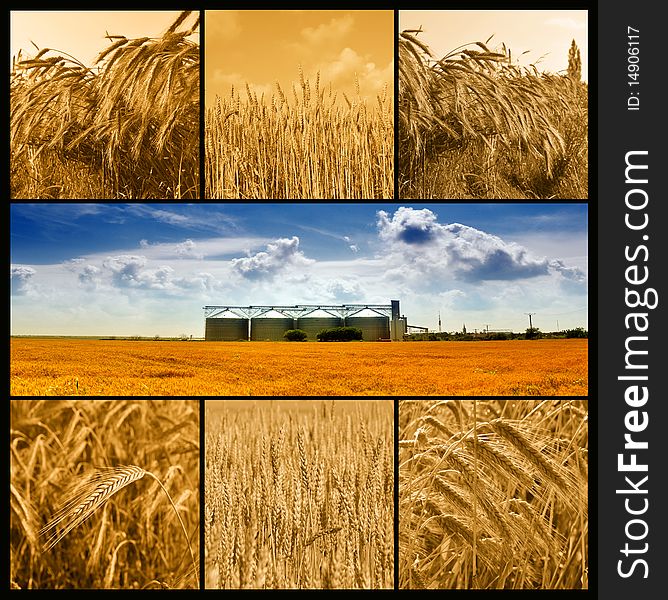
<point x="147" y="269"/>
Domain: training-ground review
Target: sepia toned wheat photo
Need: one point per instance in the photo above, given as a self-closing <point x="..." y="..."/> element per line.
<point x="299" y="104"/>
<point x="299" y="494"/>
<point x="493" y="104"/>
<point x="493" y="494"/>
<point x="104" y="494"/>
<point x="104" y="105"/>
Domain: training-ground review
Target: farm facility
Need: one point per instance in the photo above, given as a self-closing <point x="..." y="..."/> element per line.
<point x="269" y="323"/>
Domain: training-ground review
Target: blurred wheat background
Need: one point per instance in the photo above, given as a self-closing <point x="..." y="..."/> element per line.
<point x="132" y="538"/>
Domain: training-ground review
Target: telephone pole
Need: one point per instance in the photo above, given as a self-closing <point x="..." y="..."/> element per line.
<point x="530" y="323"/>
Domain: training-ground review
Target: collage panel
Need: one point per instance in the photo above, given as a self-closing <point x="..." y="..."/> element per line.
<point x="299" y="104"/>
<point x="212" y="300"/>
<point x="493" y="494"/>
<point x="299" y="494"/>
<point x="493" y="104"/>
<point x="104" y="494"/>
<point x="104" y="105"/>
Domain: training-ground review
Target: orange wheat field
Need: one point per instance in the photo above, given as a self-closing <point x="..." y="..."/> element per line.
<point x="66" y="367"/>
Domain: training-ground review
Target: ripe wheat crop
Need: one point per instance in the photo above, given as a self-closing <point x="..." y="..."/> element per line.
<point x="82" y="515"/>
<point x="473" y="124"/>
<point x="493" y="494"/>
<point x="308" y="143"/>
<point x="128" y="127"/>
<point x="70" y="367"/>
<point x="299" y="494"/>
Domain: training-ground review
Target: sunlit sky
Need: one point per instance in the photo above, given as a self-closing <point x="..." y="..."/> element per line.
<point x="545" y="34"/>
<point x="82" y="33"/>
<point x="148" y="269"/>
<point x="259" y="47"/>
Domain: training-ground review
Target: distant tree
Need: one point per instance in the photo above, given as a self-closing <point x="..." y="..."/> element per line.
<point x="340" y="334"/>
<point x="574" y="62"/>
<point x="532" y="333"/>
<point x="295" y="335"/>
<point x="578" y="332"/>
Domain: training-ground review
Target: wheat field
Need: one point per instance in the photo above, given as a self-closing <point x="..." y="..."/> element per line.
<point x="104" y="494"/>
<point x="299" y="494"/>
<point x="493" y="494"/>
<point x="125" y="127"/>
<point x="71" y="367"/>
<point x="309" y="142"/>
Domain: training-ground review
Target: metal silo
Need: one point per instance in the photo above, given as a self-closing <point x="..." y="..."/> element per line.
<point x="373" y="328"/>
<point x="270" y="328"/>
<point x="226" y="329"/>
<point x="314" y="325"/>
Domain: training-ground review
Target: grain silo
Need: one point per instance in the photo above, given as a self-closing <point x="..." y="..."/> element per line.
<point x="373" y="328"/>
<point x="226" y="329"/>
<point x="314" y="325"/>
<point x="225" y="322"/>
<point x="270" y="328"/>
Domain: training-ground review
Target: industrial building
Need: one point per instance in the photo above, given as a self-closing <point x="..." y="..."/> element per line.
<point x="269" y="323"/>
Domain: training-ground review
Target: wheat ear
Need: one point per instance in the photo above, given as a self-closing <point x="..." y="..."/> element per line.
<point x="89" y="495"/>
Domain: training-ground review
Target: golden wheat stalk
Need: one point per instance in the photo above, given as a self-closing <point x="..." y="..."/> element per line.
<point x="90" y="494"/>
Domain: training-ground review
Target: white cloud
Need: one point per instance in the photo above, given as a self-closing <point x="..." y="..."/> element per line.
<point x="280" y="256"/>
<point x="418" y="245"/>
<point x="188" y="249"/>
<point x="347" y="65"/>
<point x="89" y="276"/>
<point x="334" y="30"/>
<point x="20" y="278"/>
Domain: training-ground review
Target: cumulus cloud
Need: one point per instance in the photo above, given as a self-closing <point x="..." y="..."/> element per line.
<point x="335" y="29"/>
<point x="408" y="225"/>
<point x="342" y="69"/>
<point x="129" y="271"/>
<point x="132" y="272"/>
<point x="188" y="249"/>
<point x="419" y="244"/>
<point x="89" y="276"/>
<point x="339" y="290"/>
<point x="281" y="256"/>
<point x="20" y="278"/>
<point x="125" y="269"/>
